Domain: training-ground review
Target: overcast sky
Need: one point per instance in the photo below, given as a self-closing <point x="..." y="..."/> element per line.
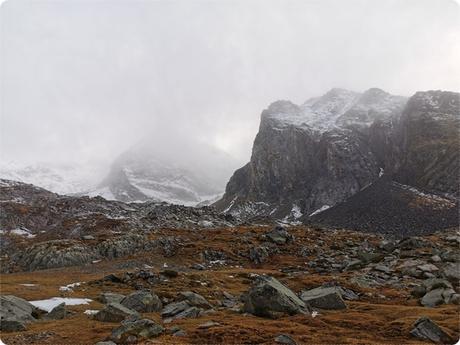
<point x="84" y="80"/>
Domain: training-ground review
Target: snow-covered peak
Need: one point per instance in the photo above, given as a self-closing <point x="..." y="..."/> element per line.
<point x="336" y="109"/>
<point x="58" y="178"/>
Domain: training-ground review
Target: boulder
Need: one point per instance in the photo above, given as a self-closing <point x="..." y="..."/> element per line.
<point x="368" y="257"/>
<point x="114" y="312"/>
<point x="269" y="297"/>
<point x="57" y="313"/>
<point x="142" y="301"/>
<point x="194" y="299"/>
<point x="452" y="272"/>
<point x="191" y="312"/>
<point x="328" y="298"/>
<point x="110" y="297"/>
<point x="138" y="329"/>
<point x="12" y="325"/>
<point x="428" y="268"/>
<point x="435" y="283"/>
<point x="426" y="329"/>
<point x="174" y="308"/>
<point x="280" y="235"/>
<point x="433" y="298"/>
<point x="15" y="313"/>
<point x="285" y="339"/>
<point x="259" y="254"/>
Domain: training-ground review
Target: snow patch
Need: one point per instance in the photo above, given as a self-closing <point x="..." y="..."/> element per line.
<point x="319" y="210"/>
<point x="50" y="303"/>
<point x="70" y="287"/>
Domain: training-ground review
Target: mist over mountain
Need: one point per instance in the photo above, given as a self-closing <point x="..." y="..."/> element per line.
<point x="179" y="171"/>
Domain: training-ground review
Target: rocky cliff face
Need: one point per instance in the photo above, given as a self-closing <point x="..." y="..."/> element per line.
<point x="429" y="138"/>
<point x="310" y="157"/>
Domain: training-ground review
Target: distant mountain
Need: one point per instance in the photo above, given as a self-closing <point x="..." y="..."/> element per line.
<point x="58" y="178"/>
<point x="177" y="171"/>
<point x="308" y="158"/>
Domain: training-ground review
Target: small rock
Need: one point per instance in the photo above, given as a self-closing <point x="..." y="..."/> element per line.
<point x="328" y="298"/>
<point x="433" y="298"/>
<point x="353" y="265"/>
<point x="110" y="297"/>
<point x="434" y="283"/>
<point x="285" y="339"/>
<point x="12" y="325"/>
<point x="436" y="258"/>
<point x="452" y="271"/>
<point x="180" y="333"/>
<point x="191" y="312"/>
<point x="426" y="329"/>
<point x="175" y="308"/>
<point x="418" y="291"/>
<point x="259" y="254"/>
<point x="114" y="312"/>
<point x="428" y="268"/>
<point x="280" y="235"/>
<point x="142" y="301"/>
<point x="57" y="313"/>
<point x="208" y="324"/>
<point x="170" y="273"/>
<point x="144" y="329"/>
<point x="194" y="299"/>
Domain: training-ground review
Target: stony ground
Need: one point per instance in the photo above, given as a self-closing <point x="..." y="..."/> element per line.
<point x="381" y="281"/>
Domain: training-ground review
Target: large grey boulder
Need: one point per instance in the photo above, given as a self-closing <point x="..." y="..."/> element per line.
<point x="15" y="312"/>
<point x="142" y="301"/>
<point x="110" y="297"/>
<point x="194" y="299"/>
<point x="426" y="329"/>
<point x="328" y="298"/>
<point x="114" y="312"/>
<point x="140" y="329"/>
<point x="269" y="297"/>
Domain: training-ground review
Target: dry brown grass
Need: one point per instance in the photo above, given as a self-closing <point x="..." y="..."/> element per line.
<point x="372" y="320"/>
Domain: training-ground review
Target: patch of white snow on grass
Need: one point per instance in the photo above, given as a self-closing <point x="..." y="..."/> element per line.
<point x="50" y="303"/>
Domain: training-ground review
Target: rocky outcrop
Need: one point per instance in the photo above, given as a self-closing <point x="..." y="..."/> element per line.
<point x="308" y="158"/>
<point x="430" y="142"/>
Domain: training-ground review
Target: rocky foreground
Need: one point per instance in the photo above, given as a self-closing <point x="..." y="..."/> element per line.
<point x="253" y="284"/>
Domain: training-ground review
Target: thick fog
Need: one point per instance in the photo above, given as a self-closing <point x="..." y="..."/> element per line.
<point x="82" y="81"/>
